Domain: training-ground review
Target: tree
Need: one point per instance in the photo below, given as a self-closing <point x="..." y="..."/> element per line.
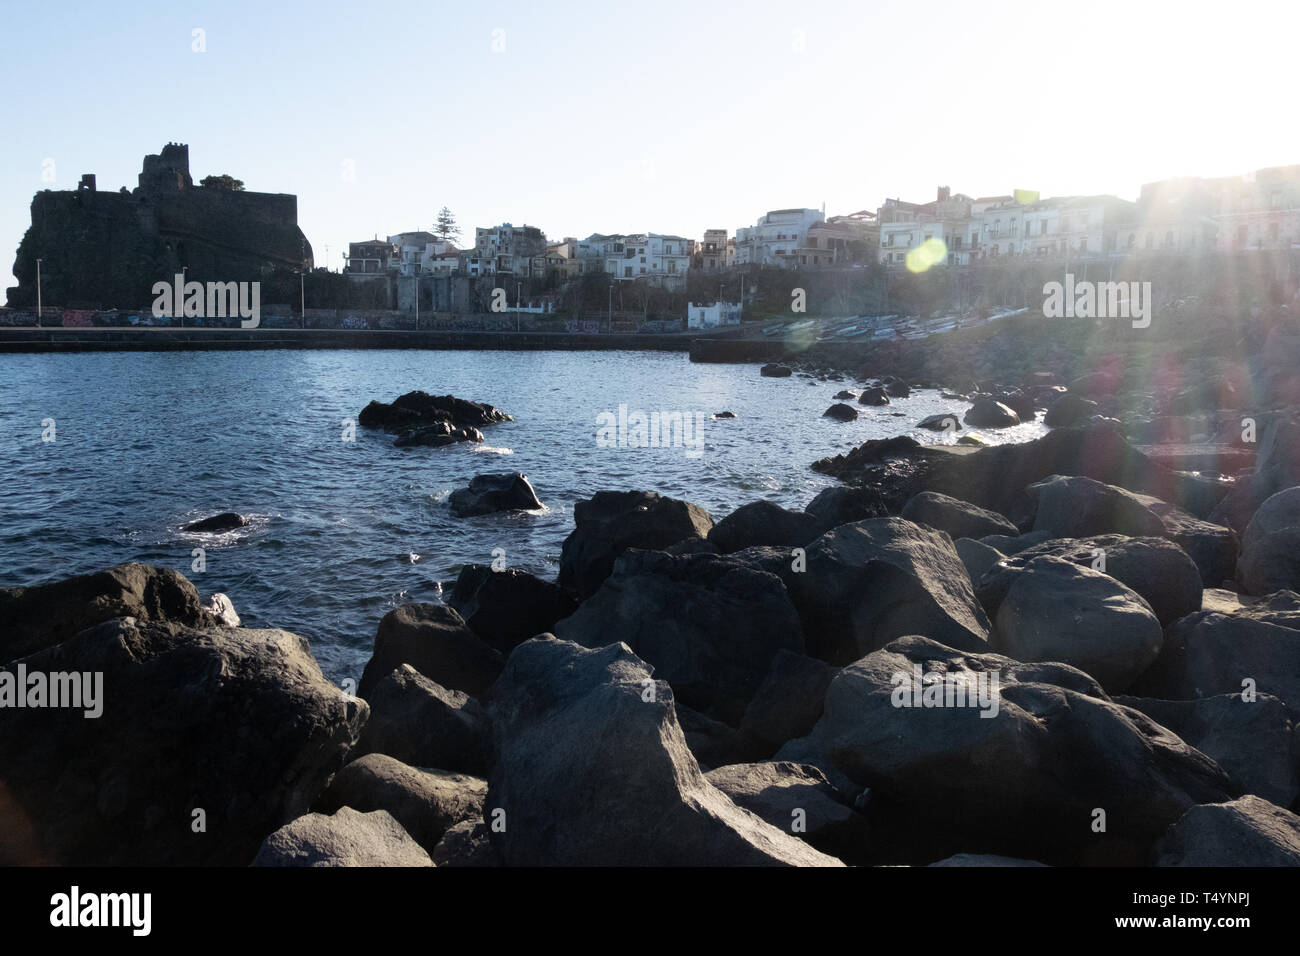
<point x="445" y="227"/>
<point x="222" y="182"/>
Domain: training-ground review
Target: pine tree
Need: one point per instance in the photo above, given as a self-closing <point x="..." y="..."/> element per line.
<point x="446" y="228"/>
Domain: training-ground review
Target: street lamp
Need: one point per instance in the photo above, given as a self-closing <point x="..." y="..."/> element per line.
<point x="302" y="299"/>
<point x="415" y="271"/>
<point x="38" y="291"/>
<point x="180" y="306"/>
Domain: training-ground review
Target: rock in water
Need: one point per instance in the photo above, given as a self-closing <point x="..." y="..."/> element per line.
<point x="841" y="412"/>
<point x="593" y="770"/>
<point x="508" y="491"/>
<point x="237" y="722"/>
<point x="415" y="409"/>
<point x="945" y="422"/>
<point x="610" y="522"/>
<point x="347" y="838"/>
<point x="226" y="521"/>
<point x="39" y="617"/>
<point x="773" y="370"/>
<point x="870" y="582"/>
<point x="874" y="396"/>
<point x="434" y="639"/>
<point x="438" y="435"/>
<point x="987" y="413"/>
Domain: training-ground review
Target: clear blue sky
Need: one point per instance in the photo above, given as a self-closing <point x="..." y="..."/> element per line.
<point x="666" y="116"/>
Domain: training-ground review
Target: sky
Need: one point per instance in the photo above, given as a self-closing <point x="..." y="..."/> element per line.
<point x="669" y="116"/>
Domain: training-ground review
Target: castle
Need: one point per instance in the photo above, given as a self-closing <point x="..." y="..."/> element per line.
<point x="106" y="250"/>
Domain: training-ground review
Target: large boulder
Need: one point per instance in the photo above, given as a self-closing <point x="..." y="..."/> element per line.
<point x="874" y="396"/>
<point x="1255" y="741"/>
<point x="764" y="523"/>
<point x="1076" y="507"/>
<point x="419" y="409"/>
<point x="347" y="838"/>
<point x="435" y="640"/>
<point x="833" y="507"/>
<point x="709" y="626"/>
<point x="978" y="558"/>
<point x="987" y="413"/>
<point x="509" y="491"/>
<point x="1270" y="546"/>
<point x="799" y="800"/>
<point x="1209" y="653"/>
<point x="41" y="616"/>
<point x="1069" y="410"/>
<point x="1244" y="832"/>
<point x="841" y="412"/>
<point x="505" y="608"/>
<point x="1055" y="610"/>
<point x="1213" y="547"/>
<point x="789" y="701"/>
<point x="975" y="751"/>
<point x="593" y="770"/>
<point x="466" y="844"/>
<point x="234" y="726"/>
<point x="427" y="803"/>
<point x="775" y="370"/>
<point x="943" y="422"/>
<point x="1158" y="570"/>
<point x="960" y="519"/>
<point x="419" y="722"/>
<point x="869" y="582"/>
<point x="1277" y="467"/>
<point x="610" y="522"/>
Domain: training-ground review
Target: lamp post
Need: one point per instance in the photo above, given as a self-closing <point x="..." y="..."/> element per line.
<point x="415" y="271"/>
<point x="38" y="292"/>
<point x="302" y="298"/>
<point x="181" y="304"/>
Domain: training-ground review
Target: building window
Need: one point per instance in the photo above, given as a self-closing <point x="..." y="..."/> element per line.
<point x="627" y="272"/>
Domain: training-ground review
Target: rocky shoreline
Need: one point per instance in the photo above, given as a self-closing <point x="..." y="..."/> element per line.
<point x="1057" y="653"/>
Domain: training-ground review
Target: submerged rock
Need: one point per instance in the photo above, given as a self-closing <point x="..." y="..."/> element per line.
<point x="226" y="521"/>
<point x="773" y="370"/>
<point x="508" y="491"/>
<point x="418" y="408"/>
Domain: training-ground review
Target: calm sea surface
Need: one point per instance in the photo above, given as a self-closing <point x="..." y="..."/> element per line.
<point x="344" y="531"/>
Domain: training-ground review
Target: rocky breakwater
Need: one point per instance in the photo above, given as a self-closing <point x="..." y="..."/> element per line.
<point x="1011" y="656"/>
<point x="418" y="418"/>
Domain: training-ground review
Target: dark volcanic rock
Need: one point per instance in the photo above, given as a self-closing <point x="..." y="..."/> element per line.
<point x="610" y="522"/>
<point x="39" y="617"/>
<point x="773" y="370"/>
<point x="988" y="413"/>
<point x="1024" y="783"/>
<point x="466" y="844"/>
<point x="724" y="415"/>
<point x="593" y="770"/>
<point x="1058" y="611"/>
<point x="435" y="640"/>
<point x="419" y="722"/>
<point x="945" y="422"/>
<point x="226" y="521"/>
<point x="841" y="412"/>
<point x="978" y="558"/>
<point x="347" y="838"/>
<point x="237" y="722"/>
<point x="898" y="389"/>
<point x="1208" y="653"/>
<point x="1245" y="832"/>
<point x="1069" y="410"/>
<point x="870" y="582"/>
<point x="1270" y="547"/>
<point x="833" y="507"/>
<point x="789" y="701"/>
<point x="844" y="395"/>
<point x="1254" y="741"/>
<point x="713" y="743"/>
<point x="1213" y="547"/>
<point x="799" y="800"/>
<point x="764" y="523"/>
<point x="426" y="803"/>
<point x="437" y="435"/>
<point x="1079" y="507"/>
<point x="417" y="409"/>
<point x="709" y="626"/>
<point x="960" y="519"/>
<point x="509" y="491"/>
<point x="874" y="396"/>
<point x="1158" y="570"/>
<point x="505" y="608"/>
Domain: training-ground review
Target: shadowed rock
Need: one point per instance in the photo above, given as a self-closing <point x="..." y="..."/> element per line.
<point x="764" y="523"/>
<point x="419" y="722"/>
<point x="1245" y="832"/>
<point x="510" y="491"/>
<point x="347" y="838"/>
<point x="505" y="608"/>
<point x="435" y="640"/>
<point x="226" y="521"/>
<point x="960" y="519"/>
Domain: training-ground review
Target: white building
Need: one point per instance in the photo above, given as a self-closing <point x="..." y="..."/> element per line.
<point x="776" y="238"/>
<point x="711" y="316"/>
<point x="419" y="250"/>
<point x="662" y="259"/>
<point x="505" y="250"/>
